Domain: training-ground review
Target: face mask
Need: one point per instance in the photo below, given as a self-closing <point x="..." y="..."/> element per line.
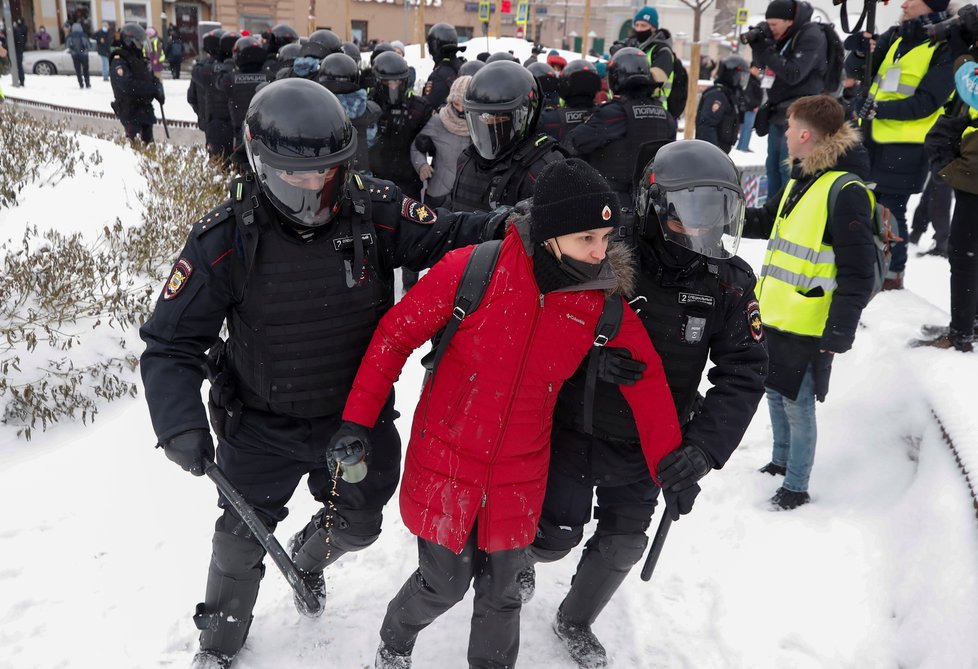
<point x="581" y="271"/>
<point x="460" y="114"/>
<point x="644" y="35"/>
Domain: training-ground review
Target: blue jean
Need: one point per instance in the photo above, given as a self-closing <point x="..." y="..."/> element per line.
<point x="777" y="157"/>
<point x="105" y="67"/>
<point x="746" y="130"/>
<point x="795" y="432"/>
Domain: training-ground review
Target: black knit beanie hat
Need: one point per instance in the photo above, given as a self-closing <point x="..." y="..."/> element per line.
<point x="571" y="196"/>
<point x="781" y="9"/>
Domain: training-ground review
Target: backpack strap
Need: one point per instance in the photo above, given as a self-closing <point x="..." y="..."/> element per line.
<point x="475" y="279"/>
<point x="361" y="212"/>
<point x="608" y="325"/>
<point x="524" y="157"/>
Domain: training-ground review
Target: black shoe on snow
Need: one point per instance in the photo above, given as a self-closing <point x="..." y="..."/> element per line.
<point x="211" y="659"/>
<point x="773" y="469"/>
<point x="944" y="338"/>
<point x="583" y="647"/>
<point x="314" y="580"/>
<point x="388" y="659"/>
<point x="528" y="583"/>
<point x="786" y="500"/>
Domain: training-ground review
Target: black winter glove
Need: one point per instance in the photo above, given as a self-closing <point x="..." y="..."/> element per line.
<point x="682" y="468"/>
<point x="680" y="503"/>
<point x="615" y="365"/>
<point x="190" y="450"/>
<point x="160" y="93"/>
<point x="943" y="141"/>
<point x="425" y="144"/>
<point x="867" y="110"/>
<point x="349" y="445"/>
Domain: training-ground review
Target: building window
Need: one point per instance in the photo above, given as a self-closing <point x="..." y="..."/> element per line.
<point x="465" y="33"/>
<point x="359" y="30"/>
<point x="256" y="24"/>
<point x="135" y="12"/>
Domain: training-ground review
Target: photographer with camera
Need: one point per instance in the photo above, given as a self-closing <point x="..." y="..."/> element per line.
<point x="911" y="80"/>
<point x="794" y="60"/>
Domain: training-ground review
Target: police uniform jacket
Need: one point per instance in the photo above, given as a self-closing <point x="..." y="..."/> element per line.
<point x="480" y="442"/>
<point x="200" y="74"/>
<point x="694" y="312"/>
<point x="558" y="122"/>
<point x="299" y="315"/>
<point x="439" y="83"/>
<point x="134" y="87"/>
<point x="848" y="231"/>
<point x="718" y="118"/>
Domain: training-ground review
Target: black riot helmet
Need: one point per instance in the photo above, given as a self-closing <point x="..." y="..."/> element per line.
<point x="629" y="70"/>
<point x="133" y="36"/>
<point x="330" y="41"/>
<point x="390" y="73"/>
<point x="288" y="53"/>
<point x="212" y="42"/>
<point x="300" y="145"/>
<point x="470" y="67"/>
<point x="690" y="194"/>
<point x="248" y="51"/>
<point x="353" y="51"/>
<point x="734" y="72"/>
<point x="502" y="55"/>
<point x="502" y="103"/>
<point x="226" y="47"/>
<point x="442" y="41"/>
<point x="339" y="74"/>
<point x="382" y="47"/>
<point x="547" y="81"/>
<point x="278" y="36"/>
<point x="579" y="78"/>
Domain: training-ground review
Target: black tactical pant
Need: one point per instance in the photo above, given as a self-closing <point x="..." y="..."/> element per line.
<point x="963" y="255"/>
<point x="265" y="456"/>
<point x="441" y="581"/>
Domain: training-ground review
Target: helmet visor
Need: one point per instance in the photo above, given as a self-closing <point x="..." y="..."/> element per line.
<point x="304" y="197"/>
<point x="392" y="91"/>
<point x="705" y="219"/>
<point x="494" y="133"/>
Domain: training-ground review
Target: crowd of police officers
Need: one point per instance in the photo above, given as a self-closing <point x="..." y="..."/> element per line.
<point x="299" y="263"/>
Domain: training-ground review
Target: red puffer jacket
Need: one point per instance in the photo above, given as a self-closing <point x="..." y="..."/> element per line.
<point x="480" y="442"/>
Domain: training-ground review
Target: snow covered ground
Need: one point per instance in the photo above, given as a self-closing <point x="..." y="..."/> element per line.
<point x="104" y="543"/>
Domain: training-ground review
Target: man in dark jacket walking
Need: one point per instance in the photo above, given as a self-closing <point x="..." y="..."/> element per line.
<point x="134" y="85"/>
<point x="20" y="42"/>
<point x="696" y="300"/>
<point x="792" y="52"/>
<point x="912" y="79"/>
<point x="77" y="43"/>
<point x="810" y="313"/>
<point x="300" y="265"/>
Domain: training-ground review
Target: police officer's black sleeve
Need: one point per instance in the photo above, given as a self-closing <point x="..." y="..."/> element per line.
<point x="129" y="85"/>
<point x="186" y="322"/>
<point x="416" y="236"/>
<point x="608" y="123"/>
<point x="437" y="87"/>
<point x="808" y="53"/>
<point x="740" y="360"/>
<point x="760" y="220"/>
<point x="855" y="255"/>
<point x="931" y="94"/>
<point x="713" y="108"/>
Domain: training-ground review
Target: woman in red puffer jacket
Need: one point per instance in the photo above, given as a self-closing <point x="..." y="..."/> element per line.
<point x="476" y="467"/>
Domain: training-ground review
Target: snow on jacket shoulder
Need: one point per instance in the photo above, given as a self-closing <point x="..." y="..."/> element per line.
<point x="480" y="441"/>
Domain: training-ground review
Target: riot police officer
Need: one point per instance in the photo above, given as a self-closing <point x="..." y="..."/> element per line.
<point x="578" y="83"/>
<point x="502" y="107"/>
<point x="202" y="75"/>
<point x="319" y="45"/>
<point x="549" y="84"/>
<point x="622" y="135"/>
<point x="240" y="84"/>
<point x="442" y="41"/>
<point x="299" y="264"/>
<point x="275" y="38"/>
<point x="134" y="85"/>
<point x="696" y="299"/>
<point x="720" y="112"/>
<point x="286" y="59"/>
<point x="341" y="76"/>
<point x="218" y="131"/>
<point x="390" y="156"/>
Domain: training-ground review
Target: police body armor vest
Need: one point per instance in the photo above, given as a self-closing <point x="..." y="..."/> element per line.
<point x="305" y="318"/>
<point x="479" y="188"/>
<point x="680" y="319"/>
<point x="797" y="280"/>
<point x="648" y="122"/>
<point x="912" y="67"/>
<point x="571" y="117"/>
<point x="216" y="101"/>
<point x="390" y="156"/>
<point x="243" y="85"/>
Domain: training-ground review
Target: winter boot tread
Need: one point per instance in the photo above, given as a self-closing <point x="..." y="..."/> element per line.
<point x="580" y="642"/>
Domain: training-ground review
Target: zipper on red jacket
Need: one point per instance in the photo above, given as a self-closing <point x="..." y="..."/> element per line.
<point x="484" y="527"/>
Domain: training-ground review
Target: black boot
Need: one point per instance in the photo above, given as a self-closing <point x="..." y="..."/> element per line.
<point x="528" y="583"/>
<point x="786" y="500"/>
<point x="583" y="647"/>
<point x="311" y="551"/>
<point x="945" y="338"/>
<point x="209" y="659"/>
<point x="387" y="659"/>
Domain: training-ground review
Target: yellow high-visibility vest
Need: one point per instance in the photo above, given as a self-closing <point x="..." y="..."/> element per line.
<point x="913" y="65"/>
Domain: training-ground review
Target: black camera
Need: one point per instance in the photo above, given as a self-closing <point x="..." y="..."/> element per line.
<point x="756" y="34"/>
<point x="964" y="24"/>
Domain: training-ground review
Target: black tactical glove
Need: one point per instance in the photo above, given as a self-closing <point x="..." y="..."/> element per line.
<point x="867" y="110"/>
<point x="682" y="468"/>
<point x="160" y="93"/>
<point x="425" y="144"/>
<point x="190" y="450"/>
<point x="348" y="446"/>
<point x="680" y="503"/>
<point x="943" y="141"/>
<point x="615" y="365"/>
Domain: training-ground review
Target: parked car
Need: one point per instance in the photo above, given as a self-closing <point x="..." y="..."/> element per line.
<point x="59" y="61"/>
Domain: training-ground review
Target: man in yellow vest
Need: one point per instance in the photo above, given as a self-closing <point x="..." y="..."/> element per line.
<point x="816" y="279"/>
<point x="911" y="80"/>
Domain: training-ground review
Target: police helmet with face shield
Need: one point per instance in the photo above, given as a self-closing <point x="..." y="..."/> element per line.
<point x="502" y="103"/>
<point x="734" y="72"/>
<point x="690" y="194"/>
<point x="391" y="73"/>
<point x="300" y="145"/>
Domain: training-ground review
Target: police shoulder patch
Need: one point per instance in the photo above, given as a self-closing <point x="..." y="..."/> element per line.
<point x="415" y="211"/>
<point x="715" y="107"/>
<point x="179" y="277"/>
<point x="753" y="312"/>
<point x="119" y="71"/>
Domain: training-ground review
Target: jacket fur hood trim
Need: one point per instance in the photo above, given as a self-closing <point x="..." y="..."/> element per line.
<point x="829" y="150"/>
<point x="618" y="275"/>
